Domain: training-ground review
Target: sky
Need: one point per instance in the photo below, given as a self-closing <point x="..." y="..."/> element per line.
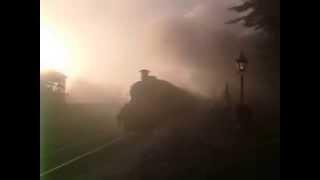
<point x="102" y="44"/>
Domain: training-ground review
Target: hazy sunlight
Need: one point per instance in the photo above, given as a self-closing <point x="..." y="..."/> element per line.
<point x="53" y="53"/>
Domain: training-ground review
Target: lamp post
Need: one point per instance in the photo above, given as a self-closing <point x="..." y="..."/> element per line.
<point x="241" y="63"/>
<point x="244" y="114"/>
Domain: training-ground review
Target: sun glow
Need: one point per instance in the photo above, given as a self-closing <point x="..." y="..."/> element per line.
<point x="53" y="52"/>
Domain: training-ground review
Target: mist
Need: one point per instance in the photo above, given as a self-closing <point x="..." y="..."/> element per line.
<point x="98" y="120"/>
<point x="184" y="42"/>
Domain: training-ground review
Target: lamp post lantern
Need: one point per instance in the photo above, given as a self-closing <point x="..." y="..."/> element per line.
<point x="241" y="63"/>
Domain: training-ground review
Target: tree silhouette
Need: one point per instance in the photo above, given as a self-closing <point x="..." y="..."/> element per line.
<point x="260" y="15"/>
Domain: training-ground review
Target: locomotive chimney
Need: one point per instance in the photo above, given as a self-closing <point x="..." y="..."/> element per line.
<point x="144" y="74"/>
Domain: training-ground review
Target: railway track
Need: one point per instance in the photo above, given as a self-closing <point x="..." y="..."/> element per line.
<point x="109" y="159"/>
<point x="117" y="158"/>
<point x="80" y="157"/>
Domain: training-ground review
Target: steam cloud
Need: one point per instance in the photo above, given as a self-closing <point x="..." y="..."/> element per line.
<point x="183" y="41"/>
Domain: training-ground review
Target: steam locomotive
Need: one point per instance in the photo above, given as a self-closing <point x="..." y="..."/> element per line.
<point x="154" y="104"/>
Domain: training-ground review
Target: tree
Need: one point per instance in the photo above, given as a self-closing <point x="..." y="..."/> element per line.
<point x="261" y="15"/>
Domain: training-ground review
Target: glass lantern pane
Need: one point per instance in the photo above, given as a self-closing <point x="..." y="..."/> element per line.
<point x="242" y="67"/>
